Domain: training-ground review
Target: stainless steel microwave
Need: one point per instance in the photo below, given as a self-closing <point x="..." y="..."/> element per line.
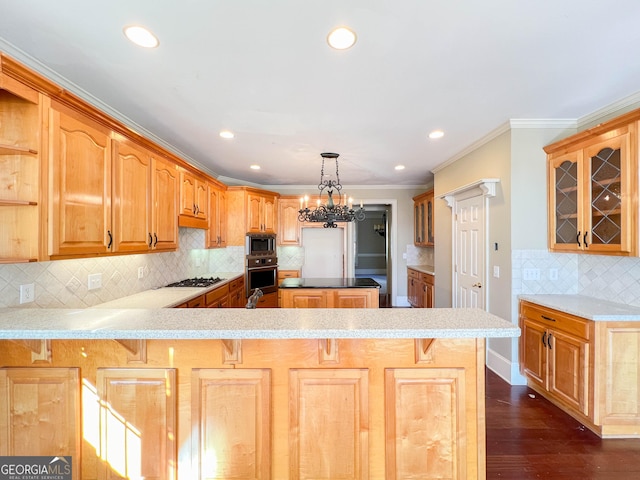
<point x="260" y="244"/>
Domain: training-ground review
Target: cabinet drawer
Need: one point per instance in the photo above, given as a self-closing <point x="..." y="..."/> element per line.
<point x="413" y="273"/>
<point x="557" y="320"/>
<point x="236" y="284"/>
<point x="216" y="294"/>
<point x="197" y="302"/>
<point x="282" y="274"/>
<point x="429" y="279"/>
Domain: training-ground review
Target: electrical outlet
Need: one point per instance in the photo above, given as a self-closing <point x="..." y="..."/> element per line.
<point x="531" y="274"/>
<point x="94" y="281"/>
<point x="140" y="272"/>
<point x="553" y="274"/>
<point x="27" y="293"/>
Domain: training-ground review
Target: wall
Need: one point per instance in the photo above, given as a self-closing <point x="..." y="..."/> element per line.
<point x="63" y="283"/>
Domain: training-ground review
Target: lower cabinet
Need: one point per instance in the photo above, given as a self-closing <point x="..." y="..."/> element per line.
<point x="282" y="409"/>
<point x="420" y="289"/>
<point x="329" y="297"/>
<point x="589" y="369"/>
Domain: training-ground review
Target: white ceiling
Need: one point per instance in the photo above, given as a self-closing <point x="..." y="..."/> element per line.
<point x="262" y="68"/>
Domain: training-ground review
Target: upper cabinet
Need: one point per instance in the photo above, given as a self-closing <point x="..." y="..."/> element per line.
<point x="217" y="233"/>
<point x="592" y="190"/>
<point x="289" y="227"/>
<point x="194" y="200"/>
<point x="249" y="210"/>
<point x="423" y="220"/>
<point x="80" y="169"/>
<point x="165" y="184"/>
<point x="20" y="170"/>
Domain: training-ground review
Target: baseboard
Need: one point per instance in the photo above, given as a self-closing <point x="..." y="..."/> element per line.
<point x="506" y="369"/>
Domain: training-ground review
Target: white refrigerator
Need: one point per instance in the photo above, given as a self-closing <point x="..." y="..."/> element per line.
<point x="323" y="252"/>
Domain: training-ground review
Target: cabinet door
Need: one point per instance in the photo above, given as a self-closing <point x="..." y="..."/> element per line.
<point x="533" y="352"/>
<point x="290" y="298"/>
<point x="288" y="223"/>
<point x="222" y="218"/>
<point x="187" y="194"/>
<point x="254" y="218"/>
<point x="202" y="199"/>
<point x="231" y="423"/>
<point x="430" y="236"/>
<point x="418" y="223"/>
<point x="353" y="299"/>
<point x="137" y="422"/>
<point x="214" y="217"/>
<point x="166" y="188"/>
<point x="81" y="180"/>
<point x="269" y="214"/>
<point x="565" y="204"/>
<point x="429" y="295"/>
<point x="131" y="199"/>
<point x="568" y="369"/>
<point x="40" y="412"/>
<point x="329" y="423"/>
<point x="607" y="173"/>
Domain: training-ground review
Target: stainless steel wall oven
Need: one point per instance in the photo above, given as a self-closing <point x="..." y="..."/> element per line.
<point x="262" y="273"/>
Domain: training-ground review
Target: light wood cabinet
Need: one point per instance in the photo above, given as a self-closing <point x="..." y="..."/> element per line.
<point x="420" y="289"/>
<point x="194" y="200"/>
<point x="164" y="219"/>
<point x="592" y="188"/>
<point x="218" y="297"/>
<point x="231" y="423"/>
<point x="80" y="157"/>
<point x="289" y="227"/>
<point x="237" y="295"/>
<point x="217" y="232"/>
<point x="423" y="235"/>
<point x="250" y="210"/>
<point x="589" y="369"/>
<point x="21" y="203"/>
<point x="40" y="413"/>
<point x="329" y="297"/>
<point x="135" y="413"/>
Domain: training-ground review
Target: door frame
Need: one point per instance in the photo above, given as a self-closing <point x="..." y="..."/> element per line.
<point x="486" y="188"/>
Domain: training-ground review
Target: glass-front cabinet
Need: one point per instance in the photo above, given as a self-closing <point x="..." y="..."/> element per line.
<point x="592" y="191"/>
<point x="423" y="220"/>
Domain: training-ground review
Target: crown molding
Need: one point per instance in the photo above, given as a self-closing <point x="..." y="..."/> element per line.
<point x="543" y="123"/>
<point x="621" y="106"/>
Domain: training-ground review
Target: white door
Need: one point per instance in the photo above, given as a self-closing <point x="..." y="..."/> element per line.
<point x="323" y="252"/>
<point x="469" y="271"/>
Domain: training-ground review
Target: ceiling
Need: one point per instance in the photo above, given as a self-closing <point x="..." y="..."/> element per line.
<point x="263" y="70"/>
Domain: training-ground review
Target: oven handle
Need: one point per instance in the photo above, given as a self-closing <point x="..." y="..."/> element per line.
<point x="262" y="267"/>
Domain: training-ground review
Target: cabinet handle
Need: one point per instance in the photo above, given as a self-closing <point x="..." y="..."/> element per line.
<point x="549" y="342"/>
<point x="110" y="238"/>
<point x="544" y="337"/>
<point x="195" y="209"/>
<point x="548" y="318"/>
<point x="578" y="238"/>
<point x="155" y="237"/>
<point x="584" y="240"/>
<point x="150" y="240"/>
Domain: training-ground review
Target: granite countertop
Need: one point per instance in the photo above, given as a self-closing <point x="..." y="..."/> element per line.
<point x="329" y="283"/>
<point x="240" y="323"/>
<point x="168" y="297"/>
<point x="587" y="307"/>
<point x="423" y="268"/>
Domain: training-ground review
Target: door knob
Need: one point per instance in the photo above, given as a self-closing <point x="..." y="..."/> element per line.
<point x="479" y="285"/>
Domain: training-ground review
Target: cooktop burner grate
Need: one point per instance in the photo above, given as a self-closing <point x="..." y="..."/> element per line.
<point x="196" y="282"/>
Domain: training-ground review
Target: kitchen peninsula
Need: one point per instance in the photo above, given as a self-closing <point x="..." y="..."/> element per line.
<point x="329" y="293"/>
<point x="274" y="393"/>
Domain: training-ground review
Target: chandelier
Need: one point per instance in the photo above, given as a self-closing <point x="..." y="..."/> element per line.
<point x="333" y="210"/>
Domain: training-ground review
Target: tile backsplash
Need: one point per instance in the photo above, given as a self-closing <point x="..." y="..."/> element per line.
<point x="612" y="278"/>
<point x="63" y="283"/>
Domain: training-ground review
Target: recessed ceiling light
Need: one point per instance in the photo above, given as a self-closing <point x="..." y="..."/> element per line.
<point x="255" y="167"/>
<point x="341" y="38"/>
<point x="436" y="134"/>
<point x="399" y="167"/>
<point x="141" y="36"/>
<point x="226" y="134"/>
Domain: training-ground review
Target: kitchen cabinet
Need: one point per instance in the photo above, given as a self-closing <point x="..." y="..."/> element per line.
<point x="237" y="297"/>
<point x="282" y="274"/>
<point x="194" y="200"/>
<point x="592" y="188"/>
<point x="420" y="289"/>
<point x="329" y="297"/>
<point x="250" y="210"/>
<point x="80" y="169"/>
<point x="217" y="232"/>
<point x="423" y="235"/>
<point x="587" y="368"/>
<point x="40" y="410"/>
<point x="21" y="198"/>
<point x="218" y="297"/>
<point x="164" y="219"/>
<point x="289" y="227"/>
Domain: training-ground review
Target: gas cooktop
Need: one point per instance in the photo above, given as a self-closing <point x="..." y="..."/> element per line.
<point x="196" y="282"/>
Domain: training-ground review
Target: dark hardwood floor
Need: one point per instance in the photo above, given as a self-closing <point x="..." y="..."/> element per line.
<point x="528" y="437"/>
